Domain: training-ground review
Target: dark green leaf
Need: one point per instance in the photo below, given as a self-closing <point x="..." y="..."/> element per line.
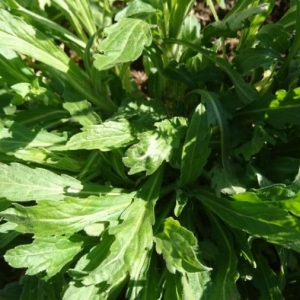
<point x="196" y="146"/>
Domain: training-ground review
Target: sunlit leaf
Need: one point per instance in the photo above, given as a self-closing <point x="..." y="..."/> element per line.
<point x="48" y="254"/>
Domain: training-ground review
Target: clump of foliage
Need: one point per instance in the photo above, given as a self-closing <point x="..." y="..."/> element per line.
<point x="184" y="187"/>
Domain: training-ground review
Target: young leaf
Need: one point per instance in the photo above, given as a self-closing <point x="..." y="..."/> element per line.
<point x="125" y="42"/>
<point x="48" y="254"/>
<point x="67" y="216"/>
<point x="154" y="147"/>
<point x="105" y="137"/>
<point x="196" y="146"/>
<point x="21" y="183"/>
<point x="177" y="244"/>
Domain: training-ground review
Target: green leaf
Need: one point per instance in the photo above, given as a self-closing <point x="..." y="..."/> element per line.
<point x="37" y="288"/>
<point x="180" y="73"/>
<point x="7" y="233"/>
<point x="190" y="29"/>
<point x="225" y="274"/>
<point x="196" y="146"/>
<point x="48" y="254"/>
<point x="77" y="291"/>
<point x="178" y="245"/>
<point x="266" y="280"/>
<point x="82" y="112"/>
<point x="178" y="11"/>
<point x="25" y="39"/>
<point x="48" y="158"/>
<point x="125" y="42"/>
<point x="67" y="216"/>
<point x="274" y="37"/>
<point x="138" y="9"/>
<point x="16" y="136"/>
<point x="13" y="69"/>
<point x="277" y="110"/>
<point x="258" y="219"/>
<point x="230" y="25"/>
<point x="249" y="59"/>
<point x="259" y="139"/>
<point x="154" y="147"/>
<point x="105" y="137"/>
<point x="21" y="183"/>
<point x="127" y="248"/>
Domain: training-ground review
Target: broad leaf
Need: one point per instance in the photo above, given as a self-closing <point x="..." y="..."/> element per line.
<point x="48" y="254"/>
<point x="125" y="42"/>
<point x="21" y="183"/>
<point x="178" y="246"/>
<point x="196" y="146"/>
<point x="138" y="9"/>
<point x="67" y="216"/>
<point x="105" y="137"/>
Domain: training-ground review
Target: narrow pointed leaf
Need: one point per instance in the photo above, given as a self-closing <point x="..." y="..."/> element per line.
<point x="258" y="219"/>
<point x="196" y="146"/>
<point x="225" y="274"/>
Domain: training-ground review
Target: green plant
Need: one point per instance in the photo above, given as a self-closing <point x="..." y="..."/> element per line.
<point x="185" y="189"/>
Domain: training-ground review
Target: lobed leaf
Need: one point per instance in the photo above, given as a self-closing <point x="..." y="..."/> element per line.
<point x="48" y="254"/>
<point x="68" y="216"/>
<point x="178" y="245"/>
<point x="127" y="248"/>
<point x="154" y="147"/>
<point x="21" y="183"/>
